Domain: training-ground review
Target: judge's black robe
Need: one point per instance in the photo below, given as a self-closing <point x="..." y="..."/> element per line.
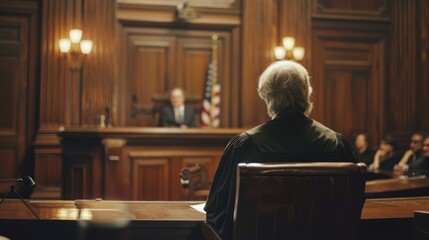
<point x="289" y="137"/>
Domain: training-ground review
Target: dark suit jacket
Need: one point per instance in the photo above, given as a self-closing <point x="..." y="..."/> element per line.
<point x="166" y="118"/>
<point x="290" y="137"/>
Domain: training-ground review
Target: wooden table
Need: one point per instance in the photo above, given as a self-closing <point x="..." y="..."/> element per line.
<point x="398" y="187"/>
<point x="381" y="218"/>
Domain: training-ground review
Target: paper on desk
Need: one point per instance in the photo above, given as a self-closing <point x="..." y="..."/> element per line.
<point x="199" y="207"/>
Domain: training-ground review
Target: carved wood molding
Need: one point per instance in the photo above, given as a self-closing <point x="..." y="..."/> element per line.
<point x="165" y="13"/>
<point x="320" y="10"/>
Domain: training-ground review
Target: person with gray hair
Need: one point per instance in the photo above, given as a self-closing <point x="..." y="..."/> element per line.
<point x="290" y="136"/>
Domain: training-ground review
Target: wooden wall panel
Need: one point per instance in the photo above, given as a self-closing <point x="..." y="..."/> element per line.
<point x="150" y="179"/>
<point x="76" y="97"/>
<point x="18" y="43"/>
<point x="160" y="59"/>
<point x="401" y="102"/>
<point x="296" y="23"/>
<point x="422" y="114"/>
<point x="352" y="8"/>
<point x="150" y="66"/>
<point x="348" y="80"/>
<point x="258" y="40"/>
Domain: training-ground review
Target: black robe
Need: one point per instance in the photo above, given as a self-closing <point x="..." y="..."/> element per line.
<point x="290" y="137"/>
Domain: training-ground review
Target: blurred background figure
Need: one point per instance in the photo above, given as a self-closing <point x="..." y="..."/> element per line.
<point x="364" y="149"/>
<point x="385" y="157"/>
<point x="177" y="114"/>
<point x="413" y="159"/>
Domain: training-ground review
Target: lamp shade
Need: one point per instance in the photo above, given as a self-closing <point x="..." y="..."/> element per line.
<point x="279" y="52"/>
<point x="298" y="53"/>
<point x="86" y="46"/>
<point x="75" y="35"/>
<point x="65" y="45"/>
<point x="288" y="43"/>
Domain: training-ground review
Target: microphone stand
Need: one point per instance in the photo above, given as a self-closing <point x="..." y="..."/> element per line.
<point x="12" y="190"/>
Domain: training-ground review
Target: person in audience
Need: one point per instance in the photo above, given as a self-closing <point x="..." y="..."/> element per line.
<point x="385" y="157"/>
<point x="364" y="151"/>
<point x="290" y="136"/>
<point x="413" y="158"/>
<point x="177" y="114"/>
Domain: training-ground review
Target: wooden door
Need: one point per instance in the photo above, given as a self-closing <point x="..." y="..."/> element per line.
<point x="17" y="87"/>
<point x="348" y="78"/>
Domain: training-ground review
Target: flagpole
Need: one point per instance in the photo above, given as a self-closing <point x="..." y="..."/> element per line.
<point x="214" y="80"/>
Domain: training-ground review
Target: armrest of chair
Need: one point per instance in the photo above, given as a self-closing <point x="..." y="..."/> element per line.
<point x="208" y="232"/>
<point x="195" y="185"/>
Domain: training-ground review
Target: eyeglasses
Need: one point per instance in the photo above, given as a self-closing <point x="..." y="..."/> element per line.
<point x="416" y="141"/>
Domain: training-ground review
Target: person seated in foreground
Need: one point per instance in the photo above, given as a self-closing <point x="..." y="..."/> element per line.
<point x="177" y="114"/>
<point x="385" y="157"/>
<point x="415" y="160"/>
<point x="364" y="151"/>
<point x="290" y="136"/>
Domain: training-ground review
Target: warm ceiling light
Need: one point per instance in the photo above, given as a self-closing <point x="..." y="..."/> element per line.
<point x="75" y="35"/>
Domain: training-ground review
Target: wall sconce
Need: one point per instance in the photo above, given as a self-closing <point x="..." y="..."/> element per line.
<point x="71" y="45"/>
<point x="288" y="50"/>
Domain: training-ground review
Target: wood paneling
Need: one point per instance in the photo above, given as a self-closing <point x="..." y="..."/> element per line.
<point x="136" y="163"/>
<point x="18" y="41"/>
<point x="367" y="55"/>
<point x="150" y="179"/>
<point x="76" y="97"/>
<point x="364" y="9"/>
<point x="160" y="59"/>
<point x="422" y="114"/>
<point x="407" y="98"/>
<point x="348" y="80"/>
<point x="259" y="17"/>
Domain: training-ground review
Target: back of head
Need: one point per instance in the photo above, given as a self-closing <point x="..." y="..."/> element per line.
<point x="389" y="140"/>
<point x="285" y="85"/>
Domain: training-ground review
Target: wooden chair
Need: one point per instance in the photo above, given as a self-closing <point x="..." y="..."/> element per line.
<point x="194" y="181"/>
<point x="297" y="201"/>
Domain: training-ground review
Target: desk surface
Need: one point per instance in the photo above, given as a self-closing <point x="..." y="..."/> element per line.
<point x="386" y="208"/>
<point x="398" y="187"/>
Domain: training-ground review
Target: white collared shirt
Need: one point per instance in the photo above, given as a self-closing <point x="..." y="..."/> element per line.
<point x="179" y="114"/>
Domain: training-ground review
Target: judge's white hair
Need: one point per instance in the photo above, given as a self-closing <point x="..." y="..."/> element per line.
<point x="285" y="85"/>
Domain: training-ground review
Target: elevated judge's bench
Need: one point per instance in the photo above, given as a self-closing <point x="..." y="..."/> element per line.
<point x="136" y="163"/>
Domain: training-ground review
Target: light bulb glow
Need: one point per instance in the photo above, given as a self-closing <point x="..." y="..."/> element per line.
<point x="298" y="53"/>
<point x="75" y="35"/>
<point x="288" y="43"/>
<point x="86" y="46"/>
<point x="65" y="45"/>
<point x="279" y="52"/>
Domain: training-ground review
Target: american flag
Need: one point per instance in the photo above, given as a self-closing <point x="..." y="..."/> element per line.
<point x="211" y="102"/>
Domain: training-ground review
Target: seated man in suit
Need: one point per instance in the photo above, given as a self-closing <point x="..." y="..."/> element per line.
<point x="416" y="160"/>
<point x="177" y="114"/>
<point x="290" y="136"/>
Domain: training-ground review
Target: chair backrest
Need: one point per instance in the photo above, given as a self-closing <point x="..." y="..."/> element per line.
<point x="299" y="200"/>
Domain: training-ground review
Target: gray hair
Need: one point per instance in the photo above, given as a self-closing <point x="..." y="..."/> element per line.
<point x="285" y="85"/>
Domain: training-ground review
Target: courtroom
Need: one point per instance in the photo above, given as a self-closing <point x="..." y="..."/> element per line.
<point x="214" y="119"/>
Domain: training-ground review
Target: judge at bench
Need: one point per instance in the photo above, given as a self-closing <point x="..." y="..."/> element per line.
<point x="177" y="114"/>
<point x="290" y="136"/>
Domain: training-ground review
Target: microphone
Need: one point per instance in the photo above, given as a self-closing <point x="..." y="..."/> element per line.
<point x="26" y="181"/>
